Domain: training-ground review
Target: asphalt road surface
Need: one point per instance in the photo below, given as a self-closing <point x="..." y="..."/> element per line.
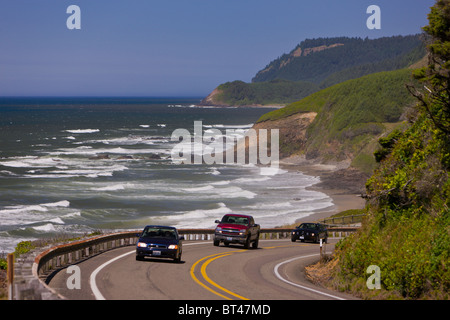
<point x="274" y="271"/>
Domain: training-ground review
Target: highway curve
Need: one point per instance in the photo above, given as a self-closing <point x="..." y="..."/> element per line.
<point x="274" y="271"/>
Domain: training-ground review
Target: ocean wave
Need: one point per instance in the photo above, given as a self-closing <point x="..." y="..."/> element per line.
<point x="38" y="207"/>
<point x="93" y="152"/>
<point x="115" y="187"/>
<point x="200" y="218"/>
<point x="29" y="162"/>
<point x="130" y="140"/>
<point x="229" y="126"/>
<point x="271" y="171"/>
<point x="83" y="130"/>
<point x="31" y="213"/>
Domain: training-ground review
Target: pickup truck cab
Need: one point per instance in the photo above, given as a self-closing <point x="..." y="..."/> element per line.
<point x="237" y="228"/>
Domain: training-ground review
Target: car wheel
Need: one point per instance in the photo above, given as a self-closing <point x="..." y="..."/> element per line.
<point x="139" y="258"/>
<point x="255" y="243"/>
<point x="293" y="239"/>
<point x="216" y="243"/>
<point x="247" y="243"/>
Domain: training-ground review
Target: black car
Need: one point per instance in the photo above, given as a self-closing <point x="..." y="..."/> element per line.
<point x="310" y="232"/>
<point x="159" y="242"/>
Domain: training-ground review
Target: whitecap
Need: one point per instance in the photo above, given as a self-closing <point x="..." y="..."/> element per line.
<point x="57" y="221"/>
<point x="199" y="189"/>
<point x="63" y="203"/>
<point x="200" y="218"/>
<point x="83" y="130"/>
<point x="114" y="187"/>
<point x="271" y="171"/>
<point x="46" y="227"/>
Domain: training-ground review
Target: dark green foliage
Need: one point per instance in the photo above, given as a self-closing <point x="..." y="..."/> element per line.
<point x="435" y="77"/>
<point x="387" y="143"/>
<point x="289" y="78"/>
<point x="274" y="92"/>
<point x="352" y="58"/>
<point x="407" y="232"/>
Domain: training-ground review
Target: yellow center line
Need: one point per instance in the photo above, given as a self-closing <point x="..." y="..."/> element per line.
<point x="205" y="276"/>
<point x="201" y="283"/>
<point x="213" y="257"/>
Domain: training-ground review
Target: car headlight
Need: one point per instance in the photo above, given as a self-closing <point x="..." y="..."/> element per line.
<point x="242" y="232"/>
<point x="142" y="245"/>
<point x="219" y="229"/>
<point x="173" y="247"/>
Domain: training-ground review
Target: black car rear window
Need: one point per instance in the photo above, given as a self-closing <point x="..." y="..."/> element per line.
<point x="308" y="226"/>
<point x="154" y="232"/>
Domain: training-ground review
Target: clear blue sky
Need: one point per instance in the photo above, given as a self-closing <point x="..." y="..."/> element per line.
<point x="171" y="47"/>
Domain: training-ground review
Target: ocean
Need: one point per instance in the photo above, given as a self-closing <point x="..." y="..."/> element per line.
<point x="76" y="165"/>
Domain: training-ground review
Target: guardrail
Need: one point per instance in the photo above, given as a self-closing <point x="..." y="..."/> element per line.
<point x="32" y="270"/>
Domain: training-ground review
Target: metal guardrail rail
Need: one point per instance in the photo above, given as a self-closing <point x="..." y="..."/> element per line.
<point x="32" y="270"/>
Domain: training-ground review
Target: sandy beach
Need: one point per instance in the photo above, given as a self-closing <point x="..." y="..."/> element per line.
<point x="344" y="186"/>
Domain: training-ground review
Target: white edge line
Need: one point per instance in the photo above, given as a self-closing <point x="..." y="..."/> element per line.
<point x="94" y="288"/>
<point x="98" y="295"/>
<point x="277" y="274"/>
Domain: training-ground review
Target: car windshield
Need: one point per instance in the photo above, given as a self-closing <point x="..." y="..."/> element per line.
<point x="235" y="220"/>
<point x="308" y="226"/>
<point x="156" y="232"/>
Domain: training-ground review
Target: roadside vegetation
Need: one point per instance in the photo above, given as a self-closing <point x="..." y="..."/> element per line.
<point x="351" y="116"/>
<point x="406" y="231"/>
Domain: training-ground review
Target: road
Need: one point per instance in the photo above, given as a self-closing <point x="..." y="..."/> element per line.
<point x="274" y="271"/>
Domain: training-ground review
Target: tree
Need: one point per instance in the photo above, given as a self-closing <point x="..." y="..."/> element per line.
<point x="436" y="76"/>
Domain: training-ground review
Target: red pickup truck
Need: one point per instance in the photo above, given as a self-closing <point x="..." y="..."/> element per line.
<point x="237" y="228"/>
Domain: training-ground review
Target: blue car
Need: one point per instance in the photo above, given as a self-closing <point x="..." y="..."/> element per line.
<point x="159" y="242"/>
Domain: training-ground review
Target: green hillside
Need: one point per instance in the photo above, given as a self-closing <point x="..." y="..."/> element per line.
<point x="349" y="116"/>
<point x="264" y="93"/>
<point x="317" y="64"/>
<point x="318" y="60"/>
<point x="407" y="229"/>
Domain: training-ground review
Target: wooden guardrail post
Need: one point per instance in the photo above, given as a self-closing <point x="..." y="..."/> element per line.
<point x="10" y="275"/>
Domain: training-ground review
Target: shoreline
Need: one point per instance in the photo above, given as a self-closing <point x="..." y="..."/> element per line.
<point x="344" y="197"/>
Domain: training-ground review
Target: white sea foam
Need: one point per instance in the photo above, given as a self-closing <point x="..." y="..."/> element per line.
<point x="199" y="189"/>
<point x="229" y="126"/>
<point x="270" y="206"/>
<point x="92" y="152"/>
<point x="83" y="130"/>
<point x="271" y="171"/>
<point x="130" y="140"/>
<point x="30" y="162"/>
<point x="26" y="214"/>
<point x="49" y="227"/>
<point x="63" y="203"/>
<point x="251" y="180"/>
<point x="115" y="187"/>
<point x="200" y="218"/>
